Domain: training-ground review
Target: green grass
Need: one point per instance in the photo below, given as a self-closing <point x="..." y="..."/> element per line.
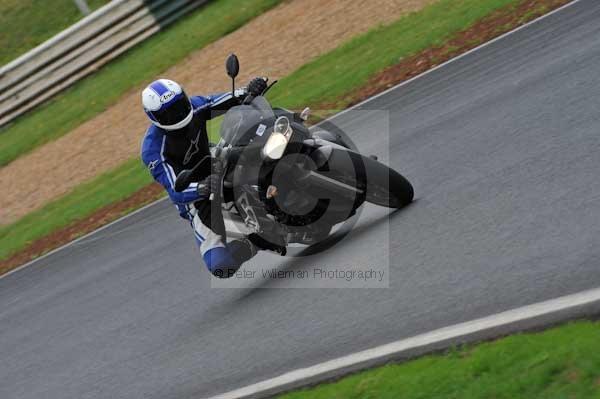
<point x="26" y="23"/>
<point x="97" y="92"/>
<point x="327" y="78"/>
<point x="82" y="201"/>
<point x="560" y="363"/>
<point x="333" y="75"/>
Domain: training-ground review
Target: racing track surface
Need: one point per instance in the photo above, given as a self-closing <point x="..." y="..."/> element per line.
<point x="503" y="149"/>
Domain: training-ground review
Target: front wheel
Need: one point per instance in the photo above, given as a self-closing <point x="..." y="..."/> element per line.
<point x="380" y="184"/>
<point x="384" y="186"/>
<point x="389" y="189"/>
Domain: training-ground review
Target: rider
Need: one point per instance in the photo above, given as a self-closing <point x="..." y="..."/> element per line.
<point x="176" y="140"/>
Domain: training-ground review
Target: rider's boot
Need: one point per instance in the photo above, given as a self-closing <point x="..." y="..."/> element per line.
<point x="261" y="243"/>
<point x="225" y="261"/>
<point x="242" y="249"/>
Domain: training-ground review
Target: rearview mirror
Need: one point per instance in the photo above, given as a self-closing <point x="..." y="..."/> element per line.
<point x="233" y="66"/>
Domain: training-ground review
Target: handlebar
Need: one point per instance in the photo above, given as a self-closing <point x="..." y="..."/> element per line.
<point x="251" y="97"/>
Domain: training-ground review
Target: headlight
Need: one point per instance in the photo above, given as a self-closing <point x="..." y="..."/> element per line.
<point x="277" y="142"/>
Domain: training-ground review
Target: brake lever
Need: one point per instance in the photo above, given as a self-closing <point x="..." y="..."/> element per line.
<point x="251" y="97"/>
<point x="269" y="87"/>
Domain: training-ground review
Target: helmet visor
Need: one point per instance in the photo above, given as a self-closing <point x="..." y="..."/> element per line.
<point x="175" y="112"/>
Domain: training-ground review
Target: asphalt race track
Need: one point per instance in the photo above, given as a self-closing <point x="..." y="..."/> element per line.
<point x="503" y="148"/>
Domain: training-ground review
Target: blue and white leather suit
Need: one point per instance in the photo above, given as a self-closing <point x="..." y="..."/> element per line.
<point x="166" y="153"/>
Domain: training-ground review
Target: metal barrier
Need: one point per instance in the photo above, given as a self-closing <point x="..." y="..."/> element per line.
<point x="81" y="49"/>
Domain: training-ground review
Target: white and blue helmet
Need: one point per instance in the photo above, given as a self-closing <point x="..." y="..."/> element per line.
<point x="167" y="105"/>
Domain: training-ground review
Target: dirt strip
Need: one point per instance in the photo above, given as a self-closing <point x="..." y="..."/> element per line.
<point x="273" y="44"/>
<point x="77" y="229"/>
<point x="485" y="30"/>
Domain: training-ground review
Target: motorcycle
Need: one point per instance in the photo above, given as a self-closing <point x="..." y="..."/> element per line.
<point x="286" y="182"/>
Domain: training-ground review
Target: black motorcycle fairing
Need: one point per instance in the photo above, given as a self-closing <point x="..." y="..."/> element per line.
<point x="245" y="123"/>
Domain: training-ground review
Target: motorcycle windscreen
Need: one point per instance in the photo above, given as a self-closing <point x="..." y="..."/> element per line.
<point x="239" y="123"/>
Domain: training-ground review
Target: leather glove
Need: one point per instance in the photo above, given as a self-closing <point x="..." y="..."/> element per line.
<point x="257" y="86"/>
<point x="211" y="184"/>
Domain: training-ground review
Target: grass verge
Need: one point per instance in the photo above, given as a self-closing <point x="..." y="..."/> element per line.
<point x="315" y="83"/>
<point x="107" y="188"/>
<point x="75" y="105"/>
<point x="26" y="23"/>
<point x="563" y="362"/>
<point x="332" y="76"/>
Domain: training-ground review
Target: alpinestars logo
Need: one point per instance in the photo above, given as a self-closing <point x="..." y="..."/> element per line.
<point x="152" y="165"/>
<point x="192" y="149"/>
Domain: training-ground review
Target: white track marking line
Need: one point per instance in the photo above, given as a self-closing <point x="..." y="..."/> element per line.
<point x="397" y="347"/>
<point x="333" y="117"/>
<point x="386" y="351"/>
<point x="458" y="57"/>
<point x="83" y="237"/>
<point x="442" y="334"/>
